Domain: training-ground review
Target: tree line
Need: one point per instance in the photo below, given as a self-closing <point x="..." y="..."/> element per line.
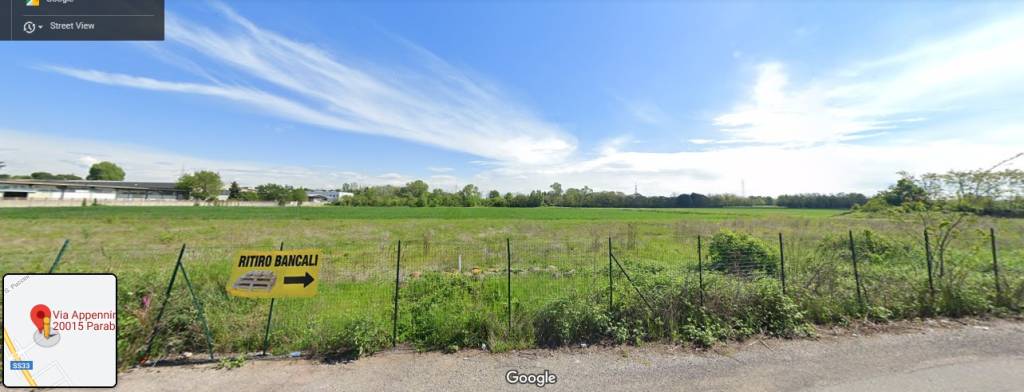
<point x="419" y="194"/>
<point x="101" y="171"/>
<point x="207" y="185"/>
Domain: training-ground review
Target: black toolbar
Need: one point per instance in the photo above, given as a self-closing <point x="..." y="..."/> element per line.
<point x="81" y="20"/>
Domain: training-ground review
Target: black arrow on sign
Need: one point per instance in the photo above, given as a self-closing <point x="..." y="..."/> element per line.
<point x="303" y="280"/>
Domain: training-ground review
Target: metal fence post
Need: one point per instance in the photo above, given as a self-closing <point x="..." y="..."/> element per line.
<point x="199" y="307"/>
<point x="856" y="274"/>
<point x="928" y="259"/>
<point x="700" y="270"/>
<point x="508" y="252"/>
<point x="782" y="264"/>
<point x="394" y="316"/>
<point x="632" y="283"/>
<point x="270" y="316"/>
<point x="995" y="264"/>
<point x="610" y="283"/>
<point x="56" y="261"/>
<point x="163" y="304"/>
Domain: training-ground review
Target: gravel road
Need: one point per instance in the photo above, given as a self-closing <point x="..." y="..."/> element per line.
<point x="930" y="356"/>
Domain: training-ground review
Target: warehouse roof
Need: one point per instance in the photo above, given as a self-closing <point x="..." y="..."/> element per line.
<point x="152" y="186"/>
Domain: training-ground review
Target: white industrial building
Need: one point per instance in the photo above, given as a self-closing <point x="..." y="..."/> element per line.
<point x="89" y="190"/>
<point x="326" y="196"/>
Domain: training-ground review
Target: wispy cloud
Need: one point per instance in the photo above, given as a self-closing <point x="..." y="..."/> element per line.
<point x="970" y="69"/>
<point x="645" y="111"/>
<point x="436" y="104"/>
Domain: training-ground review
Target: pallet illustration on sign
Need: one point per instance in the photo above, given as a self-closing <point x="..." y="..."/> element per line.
<point x="261" y="280"/>
<point x="275" y="274"/>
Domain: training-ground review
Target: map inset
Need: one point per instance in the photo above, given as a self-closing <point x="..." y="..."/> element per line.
<point x="60" y="330"/>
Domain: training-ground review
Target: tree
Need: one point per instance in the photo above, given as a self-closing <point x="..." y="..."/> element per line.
<point x="248" y="196"/>
<point x="416" y="192"/>
<point x="234" y="191"/>
<point x="284" y="194"/>
<point x="298" y="195"/>
<point x="107" y="171"/>
<point x="272" y="192"/>
<point x="554" y="197"/>
<point x="906" y="190"/>
<point x="470" y="195"/>
<point x="201" y="185"/>
<point x="48" y="176"/>
<point x="945" y="203"/>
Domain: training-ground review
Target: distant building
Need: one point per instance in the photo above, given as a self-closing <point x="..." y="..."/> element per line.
<point x="89" y="190"/>
<point x="326" y="196"/>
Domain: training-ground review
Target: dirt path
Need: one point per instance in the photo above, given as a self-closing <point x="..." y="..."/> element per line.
<point x="930" y="356"/>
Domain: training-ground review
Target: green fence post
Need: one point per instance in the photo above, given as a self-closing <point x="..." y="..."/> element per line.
<point x="270" y="316"/>
<point x="163" y="305"/>
<point x="928" y="260"/>
<point x="508" y="252"/>
<point x="632" y="283"/>
<point x="56" y="261"/>
<point x="394" y="316"/>
<point x="199" y="306"/>
<point x="700" y="270"/>
<point x="856" y="274"/>
<point x="611" y="284"/>
<point x="995" y="264"/>
<point x="782" y="264"/>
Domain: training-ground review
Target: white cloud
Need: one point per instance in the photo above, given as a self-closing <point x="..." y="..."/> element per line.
<point x="769" y="170"/>
<point x="812" y="136"/>
<point x="438" y="105"/>
<point x="29" y="152"/>
<point x="971" y="69"/>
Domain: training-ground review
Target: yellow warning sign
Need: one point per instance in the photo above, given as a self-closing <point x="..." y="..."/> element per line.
<point x="275" y="274"/>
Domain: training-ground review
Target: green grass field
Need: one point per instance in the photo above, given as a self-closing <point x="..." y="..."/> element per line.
<point x="559" y="273"/>
<point x="376" y="213"/>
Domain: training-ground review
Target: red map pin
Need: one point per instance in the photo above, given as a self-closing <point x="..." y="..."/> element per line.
<point x="39" y="312"/>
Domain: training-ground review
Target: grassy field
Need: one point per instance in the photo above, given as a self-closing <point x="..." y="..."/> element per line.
<point x="559" y="273"/>
<point x="377" y="213"/>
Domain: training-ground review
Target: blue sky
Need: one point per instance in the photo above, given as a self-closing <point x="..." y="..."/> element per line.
<point x="673" y="97"/>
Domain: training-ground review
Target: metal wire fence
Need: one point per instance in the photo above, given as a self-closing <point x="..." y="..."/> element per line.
<point x="399" y="288"/>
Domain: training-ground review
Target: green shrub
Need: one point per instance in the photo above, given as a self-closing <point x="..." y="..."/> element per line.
<point x="445" y="314"/>
<point x="871" y="247"/>
<point x="353" y="339"/>
<point x="740" y="254"/>
<point x="774" y="314"/>
<point x="962" y="295"/>
<point x="570" y="320"/>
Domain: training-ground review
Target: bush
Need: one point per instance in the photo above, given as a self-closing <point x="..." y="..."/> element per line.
<point x="740" y="254"/>
<point x="775" y="314"/>
<point x="353" y="339"/>
<point x="568" y="321"/>
<point x="445" y="314"/>
<point x="870" y="246"/>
